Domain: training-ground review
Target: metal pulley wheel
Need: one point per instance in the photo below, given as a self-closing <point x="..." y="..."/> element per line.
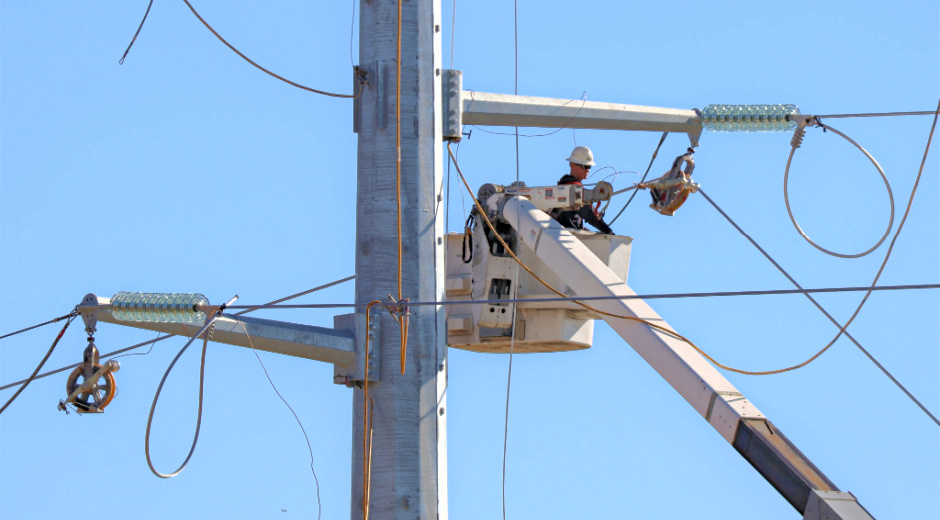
<point x="99" y="396"/>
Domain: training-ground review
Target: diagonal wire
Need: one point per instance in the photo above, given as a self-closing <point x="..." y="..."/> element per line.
<point x="38" y="367"/>
<point x="296" y="418"/>
<point x="820" y="307"/>
<point x="262" y="69"/>
<point x="647" y="172"/>
<point x="27" y="329"/>
<point x="515" y="281"/>
<point x="134" y="39"/>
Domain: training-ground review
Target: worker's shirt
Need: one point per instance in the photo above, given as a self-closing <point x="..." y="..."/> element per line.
<point x="576" y="218"/>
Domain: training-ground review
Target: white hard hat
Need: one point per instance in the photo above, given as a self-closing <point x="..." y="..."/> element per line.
<point x="582" y="155"/>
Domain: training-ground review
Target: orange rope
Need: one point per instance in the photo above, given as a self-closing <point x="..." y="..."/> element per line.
<point x="402" y="321"/>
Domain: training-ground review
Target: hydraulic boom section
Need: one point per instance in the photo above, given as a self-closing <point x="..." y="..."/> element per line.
<point x="562" y="252"/>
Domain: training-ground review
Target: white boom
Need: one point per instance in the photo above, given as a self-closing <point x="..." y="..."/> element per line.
<point x="697" y="381"/>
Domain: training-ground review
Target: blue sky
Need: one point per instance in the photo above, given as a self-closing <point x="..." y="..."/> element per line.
<point x="187" y="170"/>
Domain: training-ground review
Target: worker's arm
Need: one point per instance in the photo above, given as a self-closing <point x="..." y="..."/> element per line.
<point x="592" y="218"/>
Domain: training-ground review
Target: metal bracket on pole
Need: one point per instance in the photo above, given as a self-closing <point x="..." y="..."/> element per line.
<point x="355" y="323"/>
<point x="483" y="108"/>
<point x="452" y="87"/>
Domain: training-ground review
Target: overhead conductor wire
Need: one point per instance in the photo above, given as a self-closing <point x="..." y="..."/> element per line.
<point x="134" y="39"/>
<point x="794" y="144"/>
<point x="262" y="69"/>
<point x="156" y="397"/>
<point x="842" y="328"/>
<point x="648" y="296"/>
<point x="27" y="329"/>
<point x="246" y="58"/>
<point x="41" y="363"/>
<point x="647" y="172"/>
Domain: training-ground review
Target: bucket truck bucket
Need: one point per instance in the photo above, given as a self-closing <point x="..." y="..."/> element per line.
<point x="478" y="270"/>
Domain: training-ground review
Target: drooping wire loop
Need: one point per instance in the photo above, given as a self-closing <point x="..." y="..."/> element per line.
<point x="795" y="143"/>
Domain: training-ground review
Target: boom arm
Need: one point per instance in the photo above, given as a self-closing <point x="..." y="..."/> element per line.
<point x="804" y="486"/>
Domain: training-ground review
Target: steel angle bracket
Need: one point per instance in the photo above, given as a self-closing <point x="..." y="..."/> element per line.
<point x="352" y="375"/>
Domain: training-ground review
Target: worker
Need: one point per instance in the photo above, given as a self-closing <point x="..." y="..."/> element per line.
<point x="580" y="162"/>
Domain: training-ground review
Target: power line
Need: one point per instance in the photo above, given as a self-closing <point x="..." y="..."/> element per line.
<point x="60" y="318"/>
<point x="882" y="114"/>
<point x="842" y="328"/>
<point x="660" y="296"/>
<point x="262" y="69"/>
<point x="647" y="172"/>
<point x="32" y="376"/>
<point x="134" y="39"/>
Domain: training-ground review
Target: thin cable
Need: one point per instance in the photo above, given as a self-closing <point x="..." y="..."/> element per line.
<point x="881" y="114"/>
<point x="38" y="367"/>
<point x="352" y="32"/>
<point x="156" y="397"/>
<point x="296" y="418"/>
<point x="27" y="329"/>
<point x="453" y="31"/>
<point x="652" y="296"/>
<point x="166" y="336"/>
<point x="262" y="69"/>
<point x="877" y="276"/>
<point x="647" y="172"/>
<point x="515" y="282"/>
<point x="818" y="306"/>
<point x="795" y="143"/>
<point x="152" y="343"/>
<point x="515" y="29"/>
<point x="291" y="297"/>
<point x="134" y="39"/>
<point x="512" y="343"/>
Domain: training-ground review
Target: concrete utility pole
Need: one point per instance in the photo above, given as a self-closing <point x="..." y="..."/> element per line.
<point x="409" y="468"/>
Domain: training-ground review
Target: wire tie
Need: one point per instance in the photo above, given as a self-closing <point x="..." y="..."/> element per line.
<point x="397" y="308"/>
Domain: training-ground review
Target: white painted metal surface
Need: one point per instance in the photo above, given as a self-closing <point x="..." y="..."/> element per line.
<point x="483" y="108"/>
<point x="292" y="339"/>
<point x="699" y="383"/>
<point x="834" y="505"/>
<point x="540" y="326"/>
